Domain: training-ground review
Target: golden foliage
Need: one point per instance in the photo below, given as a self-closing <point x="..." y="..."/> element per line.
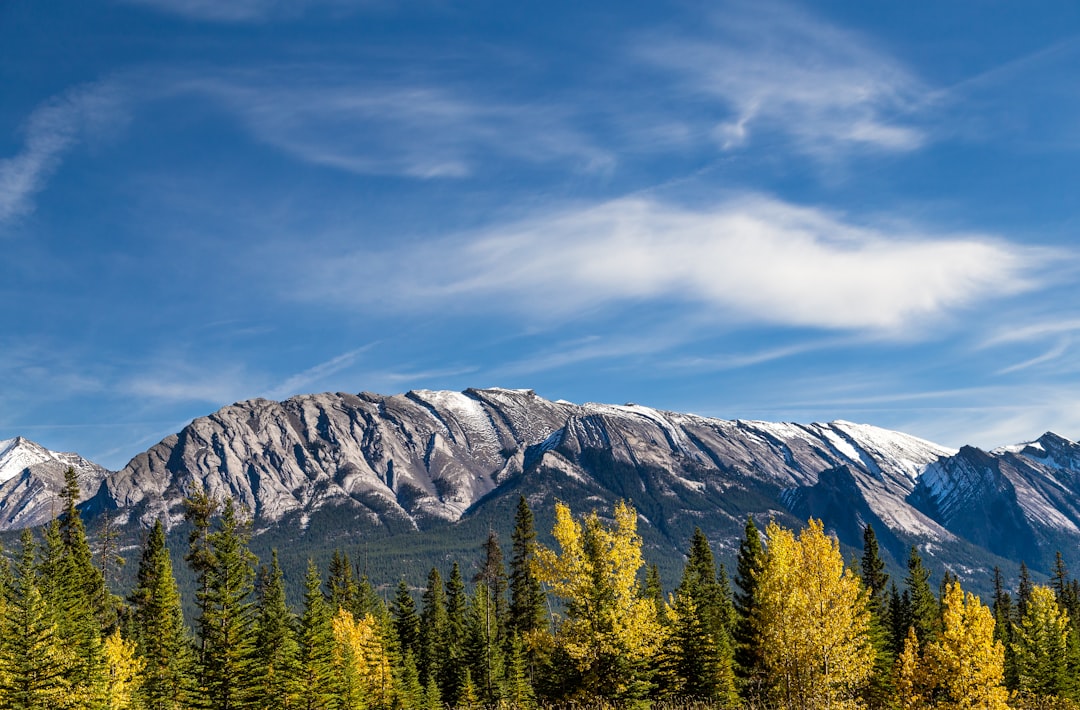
<point x="361" y="662"/>
<point x="123" y="669"/>
<point x="815" y="620"/>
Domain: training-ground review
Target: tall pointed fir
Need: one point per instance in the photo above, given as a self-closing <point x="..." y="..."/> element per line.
<point x="880" y="691"/>
<point x="161" y="639"/>
<point x="483" y="653"/>
<point x="749" y="657"/>
<point x="226" y="616"/>
<point x="492" y="574"/>
<point x="923" y="605"/>
<point x="1024" y="589"/>
<point x="1004" y="627"/>
<point x="527" y="603"/>
<point x="1041" y="647"/>
<point x="406" y="621"/>
<point x="453" y="673"/>
<point x="433" y="627"/>
<point x="32" y="658"/>
<point x="199" y="511"/>
<point x="316" y="639"/>
<point x="276" y="650"/>
<point x="341" y="583"/>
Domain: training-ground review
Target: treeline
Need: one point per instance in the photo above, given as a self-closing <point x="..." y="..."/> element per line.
<point x="584" y="622"/>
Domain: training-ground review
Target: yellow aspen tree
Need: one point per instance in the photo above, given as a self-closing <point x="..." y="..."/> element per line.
<point x="965" y="665"/>
<point x="816" y="621"/>
<point x="361" y="662"/>
<point x="610" y="630"/>
<point x="910" y="679"/>
<point x="123" y="669"/>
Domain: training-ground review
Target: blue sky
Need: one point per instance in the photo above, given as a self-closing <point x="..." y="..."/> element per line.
<point x="782" y="211"/>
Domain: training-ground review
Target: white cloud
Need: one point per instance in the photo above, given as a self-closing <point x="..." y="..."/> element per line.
<point x="50" y="131"/>
<point x="302" y="382"/>
<point x="751" y="258"/>
<point x="405" y="128"/>
<point x="771" y="66"/>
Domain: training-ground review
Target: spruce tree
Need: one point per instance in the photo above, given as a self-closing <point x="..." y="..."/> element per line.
<point x="277" y="653"/>
<point x="880" y="690"/>
<point x="492" y="575"/>
<point x="654" y="591"/>
<point x="1023" y="591"/>
<point x="160" y="636"/>
<point x="483" y="653"/>
<point x="527" y="603"/>
<point x="316" y="640"/>
<point x="199" y="511"/>
<point x="1004" y="627"/>
<point x="31" y="655"/>
<point x="433" y="627"/>
<point x="227" y="613"/>
<point x="406" y="621"/>
<point x="340" y="581"/>
<point x="922" y="602"/>
<point x="749" y="659"/>
<point x="454" y="661"/>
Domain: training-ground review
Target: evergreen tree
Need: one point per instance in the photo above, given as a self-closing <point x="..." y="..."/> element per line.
<point x="923" y="605"/>
<point x="654" y="592"/>
<point x="483" y="653"/>
<point x="227" y="678"/>
<point x="433" y="629"/>
<point x="31" y="655"/>
<point x="454" y="661"/>
<point x="527" y="605"/>
<point x="161" y="639"/>
<point x="749" y="659"/>
<point x="1023" y="591"/>
<point x="316" y="640"/>
<point x="199" y="511"/>
<point x="406" y="621"/>
<point x="880" y="690"/>
<point x="493" y="575"/>
<point x="517" y="691"/>
<point x="1003" y="628"/>
<point x="410" y="693"/>
<point x="277" y="653"/>
<point x="899" y="618"/>
<point x="342" y="586"/>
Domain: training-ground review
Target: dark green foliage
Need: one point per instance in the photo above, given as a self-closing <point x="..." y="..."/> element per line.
<point x="316" y="637"/>
<point x="29" y="647"/>
<point x="923" y="609"/>
<point x="749" y="663"/>
<point x="343" y="590"/>
<point x="1023" y="591"/>
<point x="433" y="627"/>
<point x="226" y="674"/>
<point x="277" y="653"/>
<point x="1004" y="616"/>
<point x="526" y="612"/>
<point x="453" y="670"/>
<point x="406" y="621"/>
<point x="158" y="620"/>
<point x="653" y="591"/>
<point x="880" y="691"/>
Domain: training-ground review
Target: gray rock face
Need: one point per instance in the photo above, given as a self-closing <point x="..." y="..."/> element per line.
<point x="423" y="459"/>
<point x="32" y="480"/>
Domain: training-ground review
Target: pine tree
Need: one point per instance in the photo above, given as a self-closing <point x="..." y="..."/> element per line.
<point x="406" y="621"/>
<point x="749" y="659"/>
<point x="316" y="640"/>
<point x="1023" y="591"/>
<point x="493" y="575"/>
<point x="517" y="691"/>
<point x="433" y="629"/>
<point x="277" y="653"/>
<point x="453" y="674"/>
<point x="340" y="581"/>
<point x="226" y="615"/>
<point x="654" y="592"/>
<point x="31" y="655"/>
<point x="527" y="605"/>
<point x="1003" y="629"/>
<point x="923" y="605"/>
<point x="161" y="639"/>
<point x="880" y="690"/>
<point x="899" y="618"/>
<point x="199" y="511"/>
<point x="483" y="653"/>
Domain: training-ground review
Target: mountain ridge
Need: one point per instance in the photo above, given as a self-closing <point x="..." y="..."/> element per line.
<point x="424" y="460"/>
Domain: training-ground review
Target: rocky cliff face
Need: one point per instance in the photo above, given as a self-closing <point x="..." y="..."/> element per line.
<point x="424" y="460"/>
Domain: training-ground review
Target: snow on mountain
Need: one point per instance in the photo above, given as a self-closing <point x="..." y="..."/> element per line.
<point x="32" y="479"/>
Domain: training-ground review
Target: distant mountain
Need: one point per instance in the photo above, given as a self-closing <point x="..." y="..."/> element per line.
<point x="435" y="467"/>
<point x="32" y="479"/>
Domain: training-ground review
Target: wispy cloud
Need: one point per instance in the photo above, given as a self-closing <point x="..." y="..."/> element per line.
<point x="236" y="11"/>
<point x="1050" y="355"/>
<point x="406" y="127"/>
<point x="51" y="131"/>
<point x="751" y="258"/>
<point x="302" y="381"/>
<point x="773" y="67"/>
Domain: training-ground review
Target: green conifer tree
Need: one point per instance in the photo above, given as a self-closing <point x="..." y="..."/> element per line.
<point x="433" y="626"/>
<point x="483" y="653"/>
<point x="406" y="621"/>
<point x="316" y="640"/>
<point x="277" y="653"/>
<point x="341" y="583"/>
<point x="453" y="670"/>
<point x="1004" y="615"/>
<point x="925" y="613"/>
<point x="227" y="676"/>
<point x="527" y="604"/>
<point x="161" y="639"/>
<point x="749" y="658"/>
<point x="31" y="655"/>
<point x="1023" y="591"/>
<point x="881" y="690"/>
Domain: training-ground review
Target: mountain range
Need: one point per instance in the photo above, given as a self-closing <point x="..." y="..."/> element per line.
<point x="428" y="470"/>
